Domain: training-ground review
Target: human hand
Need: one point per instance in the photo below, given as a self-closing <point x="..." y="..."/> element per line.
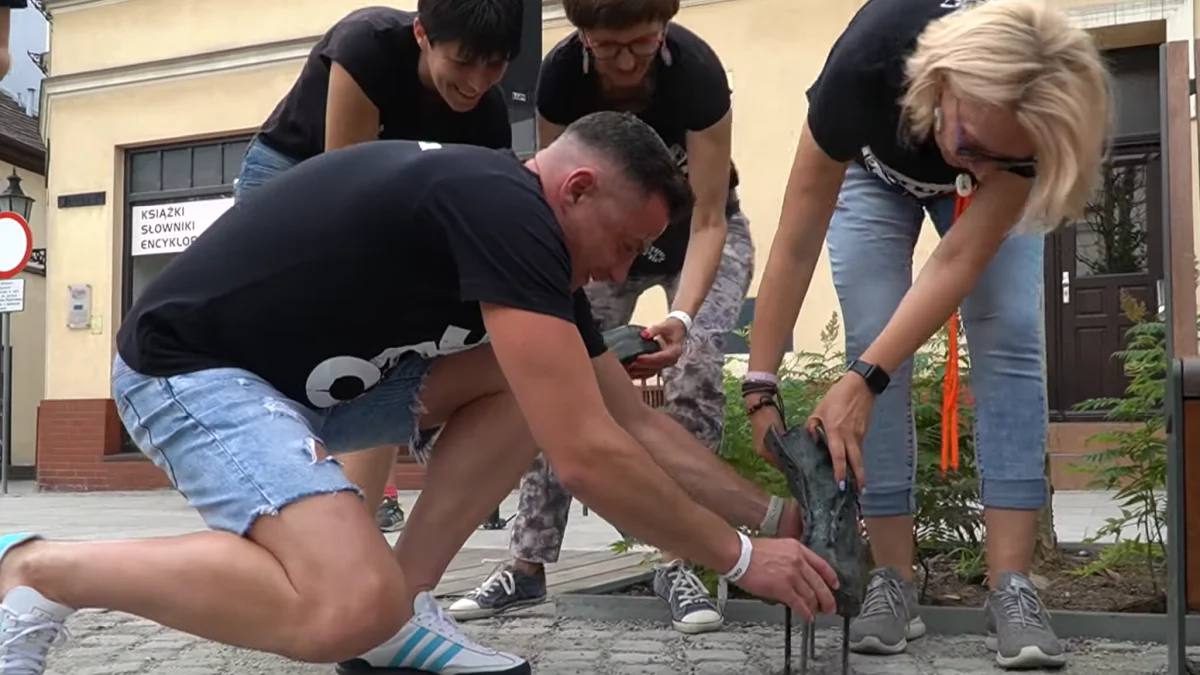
<point x="671" y="334"/>
<point x="787" y="571"/>
<point x="842" y="415"/>
<point x="762" y="419"/>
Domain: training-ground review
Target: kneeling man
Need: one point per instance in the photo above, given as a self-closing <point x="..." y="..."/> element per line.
<point x="369" y="293"/>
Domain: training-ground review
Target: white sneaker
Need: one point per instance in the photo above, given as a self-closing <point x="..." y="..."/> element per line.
<point x="431" y="642"/>
<point x="29" y="626"/>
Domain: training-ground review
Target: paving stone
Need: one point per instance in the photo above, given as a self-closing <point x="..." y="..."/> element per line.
<point x="723" y="668"/>
<point x="640" y="658"/>
<point x="644" y="669"/>
<point x="623" y="646"/>
<point x="109" y="643"/>
<point x="717" y="655"/>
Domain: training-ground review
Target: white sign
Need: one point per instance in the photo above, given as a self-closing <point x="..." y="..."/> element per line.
<point x="12" y="295"/>
<point x="170" y="228"/>
<point x="15" y="244"/>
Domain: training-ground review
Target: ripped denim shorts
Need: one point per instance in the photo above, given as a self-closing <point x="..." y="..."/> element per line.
<point x="236" y="448"/>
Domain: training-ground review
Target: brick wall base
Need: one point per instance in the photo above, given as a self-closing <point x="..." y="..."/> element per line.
<point x="79" y="449"/>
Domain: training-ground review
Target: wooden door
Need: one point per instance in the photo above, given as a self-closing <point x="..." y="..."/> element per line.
<point x="1114" y="253"/>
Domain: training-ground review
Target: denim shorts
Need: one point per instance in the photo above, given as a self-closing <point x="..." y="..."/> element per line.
<point x="237" y="448"/>
<point x="260" y="164"/>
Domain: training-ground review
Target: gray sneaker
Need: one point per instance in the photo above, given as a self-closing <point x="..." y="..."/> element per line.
<point x="1019" y="626"/>
<point x="506" y="589"/>
<point x="889" y="617"/>
<point x="692" y="611"/>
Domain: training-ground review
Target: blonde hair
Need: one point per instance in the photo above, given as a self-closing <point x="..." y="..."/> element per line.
<point x="1026" y="57"/>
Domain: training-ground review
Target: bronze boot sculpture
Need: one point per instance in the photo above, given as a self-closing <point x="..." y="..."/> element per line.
<point x="628" y="344"/>
<point x="832" y="528"/>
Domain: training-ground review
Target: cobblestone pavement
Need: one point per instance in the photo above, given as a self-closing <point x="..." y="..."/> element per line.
<point x="110" y="643"/>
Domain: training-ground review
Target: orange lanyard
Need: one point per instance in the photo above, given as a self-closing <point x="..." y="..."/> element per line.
<point x="950" y="379"/>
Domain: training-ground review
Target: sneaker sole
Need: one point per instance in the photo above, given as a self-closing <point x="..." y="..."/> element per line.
<point x="484" y="613"/>
<point x="1030" y="656"/>
<point x="873" y="645"/>
<point x="697" y="628"/>
<point x="360" y="667"/>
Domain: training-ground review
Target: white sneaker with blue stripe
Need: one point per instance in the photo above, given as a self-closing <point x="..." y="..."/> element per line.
<point x="431" y="642"/>
<point x="30" y="624"/>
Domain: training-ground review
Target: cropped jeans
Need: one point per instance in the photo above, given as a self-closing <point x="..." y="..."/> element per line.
<point x="871" y="238"/>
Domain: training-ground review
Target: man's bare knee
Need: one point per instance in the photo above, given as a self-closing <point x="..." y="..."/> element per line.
<point x="350" y="591"/>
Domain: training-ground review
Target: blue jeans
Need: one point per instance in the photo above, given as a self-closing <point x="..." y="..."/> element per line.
<point x="237" y="448"/>
<point x="260" y="164"/>
<point x="871" y="239"/>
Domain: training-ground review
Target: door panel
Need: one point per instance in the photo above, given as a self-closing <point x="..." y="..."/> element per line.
<point x="1112" y="253"/>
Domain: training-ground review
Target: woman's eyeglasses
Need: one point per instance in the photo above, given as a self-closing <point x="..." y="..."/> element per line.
<point x="1025" y="167"/>
<point x="642" y="47"/>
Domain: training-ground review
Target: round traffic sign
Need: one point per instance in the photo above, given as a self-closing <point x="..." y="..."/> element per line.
<point x="16" y="244"/>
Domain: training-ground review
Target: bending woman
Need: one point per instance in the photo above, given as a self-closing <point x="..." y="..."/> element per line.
<point x="1004" y="100"/>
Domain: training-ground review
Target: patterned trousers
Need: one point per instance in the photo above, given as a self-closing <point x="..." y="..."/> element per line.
<point x="694" y="387"/>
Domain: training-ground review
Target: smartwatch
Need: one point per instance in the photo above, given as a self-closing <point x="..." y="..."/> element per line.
<point x="877" y="379"/>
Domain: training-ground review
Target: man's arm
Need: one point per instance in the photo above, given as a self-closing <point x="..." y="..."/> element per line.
<point x="708" y="172"/>
<point x="350" y="117"/>
<point x="547" y="368"/>
<point x="708" y="479"/>
<point x="808" y="203"/>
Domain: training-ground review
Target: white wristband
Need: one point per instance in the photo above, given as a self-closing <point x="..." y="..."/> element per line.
<point x="743" y="561"/>
<point x="684" y="318"/>
<point x="761" y="376"/>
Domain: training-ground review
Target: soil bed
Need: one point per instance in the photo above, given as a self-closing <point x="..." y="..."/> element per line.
<point x="1123" y="589"/>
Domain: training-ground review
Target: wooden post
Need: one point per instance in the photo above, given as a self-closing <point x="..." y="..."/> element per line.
<point x="1182" y="401"/>
<point x="1181" y="259"/>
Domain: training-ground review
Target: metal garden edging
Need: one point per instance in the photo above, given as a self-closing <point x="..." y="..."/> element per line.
<point x="596" y="604"/>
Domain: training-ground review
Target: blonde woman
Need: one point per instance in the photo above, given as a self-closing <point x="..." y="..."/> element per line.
<point x="1006" y="101"/>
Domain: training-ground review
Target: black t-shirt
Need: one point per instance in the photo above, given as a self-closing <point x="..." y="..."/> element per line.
<point x="854" y="110"/>
<point x="348" y="261"/>
<point x="377" y="47"/>
<point x="691" y="94"/>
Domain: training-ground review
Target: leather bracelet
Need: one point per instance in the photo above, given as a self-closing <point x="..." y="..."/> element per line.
<point x="763" y="402"/>
<point x="770" y="522"/>
<point x="743" y="561"/>
<point x="759" y="388"/>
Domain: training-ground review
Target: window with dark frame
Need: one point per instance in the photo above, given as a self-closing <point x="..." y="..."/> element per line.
<point x="170" y="174"/>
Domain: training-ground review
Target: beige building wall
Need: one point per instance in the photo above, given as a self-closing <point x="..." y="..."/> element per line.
<point x="216" y="67"/>
<point x="29" y="330"/>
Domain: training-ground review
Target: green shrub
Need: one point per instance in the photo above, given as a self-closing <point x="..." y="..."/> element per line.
<point x="1134" y="461"/>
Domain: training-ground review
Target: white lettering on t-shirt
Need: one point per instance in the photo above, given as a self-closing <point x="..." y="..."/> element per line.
<point x="354" y="377"/>
<point x="654" y="254"/>
<point x="916" y="188"/>
<point x="428" y="145"/>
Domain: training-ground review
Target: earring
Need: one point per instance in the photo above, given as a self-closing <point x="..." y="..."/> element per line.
<point x="665" y="54"/>
<point x="937" y="120"/>
<point x="585" y="59"/>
